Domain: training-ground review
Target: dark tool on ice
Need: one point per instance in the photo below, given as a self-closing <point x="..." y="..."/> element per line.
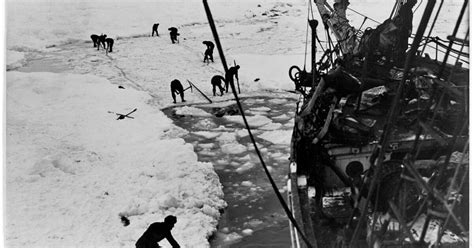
<point x="122" y="116"/>
<point x="189" y="87"/>
<point x="204" y="95"/>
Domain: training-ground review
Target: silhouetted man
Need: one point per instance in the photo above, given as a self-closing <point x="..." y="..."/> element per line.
<point x="174" y="34"/>
<point x="95" y="39"/>
<point x="110" y="44"/>
<point x="209" y="51"/>
<point x="155" y="29"/>
<point x="216" y="82"/>
<point x="100" y="40"/>
<point x="177" y="88"/>
<point x="229" y="76"/>
<point x="156" y="232"/>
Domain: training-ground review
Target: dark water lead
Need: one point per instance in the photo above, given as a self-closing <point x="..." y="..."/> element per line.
<point x="254" y="217"/>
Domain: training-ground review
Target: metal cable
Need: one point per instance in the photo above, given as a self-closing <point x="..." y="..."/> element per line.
<point x="267" y="172"/>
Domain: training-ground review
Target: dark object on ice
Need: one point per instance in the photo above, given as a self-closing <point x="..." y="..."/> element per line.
<point x="121" y="87"/>
<point x="155" y="29"/>
<point x="229" y="76"/>
<point x="95" y="39"/>
<point x="228" y="110"/>
<point x="216" y="83"/>
<point x="191" y="85"/>
<point x="125" y="221"/>
<point x="174" y="34"/>
<point x="156" y="232"/>
<point x="256" y="80"/>
<point x="101" y="40"/>
<point x="209" y="51"/>
<point x="110" y="44"/>
<point x="177" y="88"/>
<point x="121" y="116"/>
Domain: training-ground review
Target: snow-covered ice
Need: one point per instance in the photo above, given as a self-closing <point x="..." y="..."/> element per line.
<point x="69" y="159"/>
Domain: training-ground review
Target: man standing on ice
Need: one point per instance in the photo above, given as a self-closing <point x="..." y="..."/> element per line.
<point x="156" y="232"/>
<point x="229" y="76"/>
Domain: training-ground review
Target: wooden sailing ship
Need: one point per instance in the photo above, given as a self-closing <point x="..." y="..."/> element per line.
<point x="380" y="144"/>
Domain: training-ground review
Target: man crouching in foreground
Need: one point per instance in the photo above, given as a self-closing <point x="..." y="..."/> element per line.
<point x="156" y="232"/>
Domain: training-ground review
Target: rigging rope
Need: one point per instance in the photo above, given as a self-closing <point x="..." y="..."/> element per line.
<point x="267" y="172"/>
<point x="311" y="6"/>
<point x="306" y="42"/>
<point x="417" y="6"/>
<point x="364" y="16"/>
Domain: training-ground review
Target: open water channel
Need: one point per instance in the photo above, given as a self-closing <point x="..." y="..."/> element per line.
<point x="253" y="217"/>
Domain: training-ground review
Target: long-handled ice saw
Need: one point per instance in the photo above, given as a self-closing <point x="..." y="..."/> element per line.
<point x="204" y="95"/>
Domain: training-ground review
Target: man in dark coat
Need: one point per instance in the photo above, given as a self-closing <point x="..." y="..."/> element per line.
<point x="229" y="76"/>
<point x="154" y="29"/>
<point x="101" y="40"/>
<point x="216" y="83"/>
<point x="209" y="51"/>
<point x="174" y="34"/>
<point x="177" y="88"/>
<point x="110" y="44"/>
<point x="156" y="232"/>
<point x="95" y="39"/>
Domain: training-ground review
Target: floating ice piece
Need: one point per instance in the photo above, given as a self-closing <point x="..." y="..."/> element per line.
<point x="242" y="133"/>
<point x="207" y="135"/>
<point x="289" y="124"/>
<point x="246" y="183"/>
<point x="253" y="223"/>
<point x="254" y="121"/>
<point x="205" y="124"/>
<point x="247" y="166"/>
<point x="227" y="137"/>
<point x="247" y="232"/>
<point x="282" y="117"/>
<point x="277" y="137"/>
<point x="207" y="145"/>
<point x="207" y="153"/>
<point x="232" y="237"/>
<point x="261" y="109"/>
<point x="192" y="111"/>
<point x="272" y="126"/>
<point x="233" y="148"/>
<point x="278" y="101"/>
